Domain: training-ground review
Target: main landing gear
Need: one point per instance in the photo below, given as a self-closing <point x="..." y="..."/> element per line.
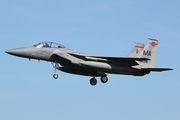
<point x="104" y="79"/>
<point x="55" y="66"/>
<point x="93" y="80"/>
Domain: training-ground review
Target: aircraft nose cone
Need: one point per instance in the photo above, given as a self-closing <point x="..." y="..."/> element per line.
<point x="16" y="52"/>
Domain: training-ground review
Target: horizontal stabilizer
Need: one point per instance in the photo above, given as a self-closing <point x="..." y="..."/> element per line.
<point x="157" y="69"/>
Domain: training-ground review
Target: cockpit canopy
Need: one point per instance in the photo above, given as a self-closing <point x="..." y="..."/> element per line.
<point x="48" y="45"/>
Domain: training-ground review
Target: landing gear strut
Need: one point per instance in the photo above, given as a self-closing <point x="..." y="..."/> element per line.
<point x="55" y="66"/>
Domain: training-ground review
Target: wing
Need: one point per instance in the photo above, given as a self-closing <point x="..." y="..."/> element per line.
<point x="116" y="60"/>
<point x="157" y="69"/>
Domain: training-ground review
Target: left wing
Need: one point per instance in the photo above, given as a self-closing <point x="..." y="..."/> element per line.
<point x="157" y="69"/>
<point x="116" y="60"/>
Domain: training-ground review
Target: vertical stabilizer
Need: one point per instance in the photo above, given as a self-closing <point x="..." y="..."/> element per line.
<point x="149" y="52"/>
<point x="136" y="50"/>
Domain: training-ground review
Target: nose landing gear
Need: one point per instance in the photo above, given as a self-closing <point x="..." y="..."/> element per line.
<point x="55" y="66"/>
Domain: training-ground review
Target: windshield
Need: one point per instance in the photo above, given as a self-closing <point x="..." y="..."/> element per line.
<point x="49" y="45"/>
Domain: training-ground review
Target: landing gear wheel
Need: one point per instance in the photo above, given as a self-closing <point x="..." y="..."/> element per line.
<point x="104" y="79"/>
<point x="93" y="81"/>
<point x="55" y="76"/>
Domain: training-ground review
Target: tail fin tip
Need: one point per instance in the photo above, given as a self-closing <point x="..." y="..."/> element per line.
<point x="153" y="41"/>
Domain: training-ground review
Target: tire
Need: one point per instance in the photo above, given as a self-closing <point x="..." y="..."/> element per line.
<point x="55" y="76"/>
<point x="93" y="81"/>
<point x="104" y="79"/>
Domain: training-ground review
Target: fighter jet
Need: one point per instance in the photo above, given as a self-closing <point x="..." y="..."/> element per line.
<point x="139" y="62"/>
